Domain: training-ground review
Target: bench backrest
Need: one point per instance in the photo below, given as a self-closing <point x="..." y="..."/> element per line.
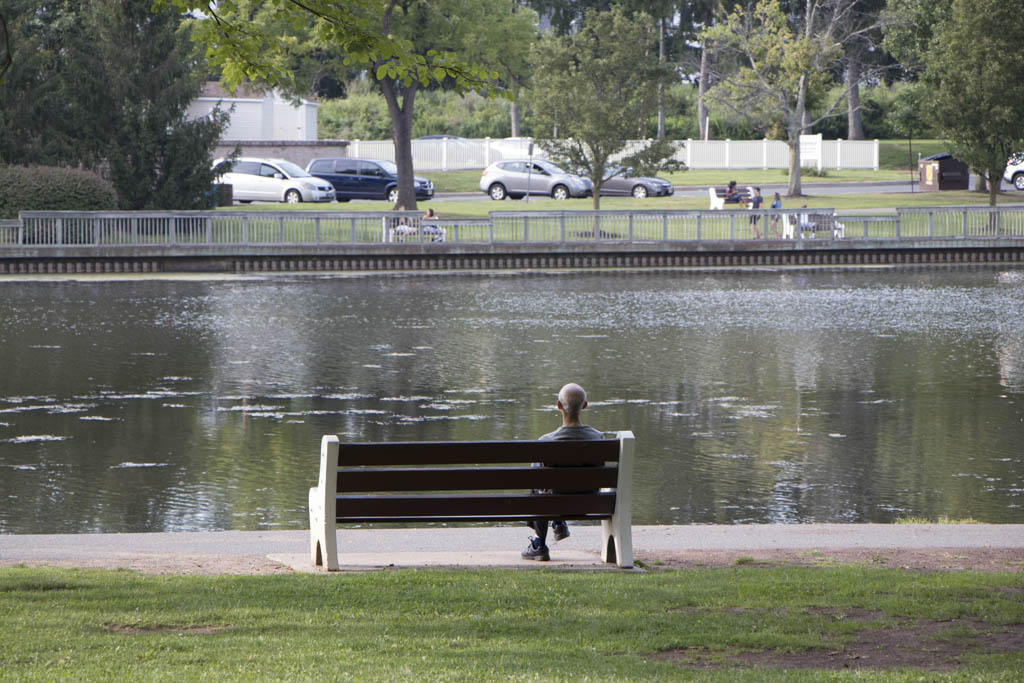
<point x="476" y="481"/>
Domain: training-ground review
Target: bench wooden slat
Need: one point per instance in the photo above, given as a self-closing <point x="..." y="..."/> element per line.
<point x="476" y="478"/>
<point x="494" y="506"/>
<point x="478" y="452"/>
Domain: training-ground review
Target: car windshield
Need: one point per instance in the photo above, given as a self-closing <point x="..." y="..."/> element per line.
<point x="550" y="168"/>
<point x="292" y="170"/>
<point x="389" y="166"/>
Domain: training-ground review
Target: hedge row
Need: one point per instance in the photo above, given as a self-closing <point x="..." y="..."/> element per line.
<point x="47" y="188"/>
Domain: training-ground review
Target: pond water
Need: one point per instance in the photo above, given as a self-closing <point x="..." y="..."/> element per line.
<point x="775" y="395"/>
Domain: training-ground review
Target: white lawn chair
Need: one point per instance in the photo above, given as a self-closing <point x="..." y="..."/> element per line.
<point x="716" y="201"/>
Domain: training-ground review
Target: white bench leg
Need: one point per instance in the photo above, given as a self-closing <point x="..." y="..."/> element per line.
<point x="787" y="228"/>
<point x="323" y="529"/>
<point x="617" y="532"/>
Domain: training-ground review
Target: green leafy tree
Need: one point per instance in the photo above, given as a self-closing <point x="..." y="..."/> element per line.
<point x="503" y="43"/>
<point x="908" y="29"/>
<point x="406" y="44"/>
<point x="864" y="27"/>
<point x="596" y="92"/>
<point x="5" y="48"/>
<point x="144" y="67"/>
<point x="105" y="85"/>
<point x="975" y="80"/>
<point x="41" y="118"/>
<point x="774" y="65"/>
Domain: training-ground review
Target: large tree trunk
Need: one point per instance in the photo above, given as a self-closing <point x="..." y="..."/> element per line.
<point x="855" y="127"/>
<point x="514" y="115"/>
<point x="401" y="136"/>
<point x="794" y="188"/>
<point x="794" y="128"/>
<point x="702" y="88"/>
<point x="661" y="83"/>
<point x="995" y="180"/>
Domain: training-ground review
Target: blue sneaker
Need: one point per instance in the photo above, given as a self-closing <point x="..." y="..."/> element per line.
<point x="536" y="551"/>
<point x="561" y="530"/>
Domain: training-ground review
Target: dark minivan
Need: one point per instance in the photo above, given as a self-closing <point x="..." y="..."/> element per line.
<point x="365" y="179"/>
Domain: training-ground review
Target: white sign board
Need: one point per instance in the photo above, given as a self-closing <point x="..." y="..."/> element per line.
<point x="810" y="150"/>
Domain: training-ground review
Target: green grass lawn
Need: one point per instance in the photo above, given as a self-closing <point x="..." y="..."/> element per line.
<point x="490" y="625"/>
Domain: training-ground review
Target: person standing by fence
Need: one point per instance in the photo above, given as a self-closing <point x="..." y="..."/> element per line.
<point x="776" y="204"/>
<point x="755" y="205"/>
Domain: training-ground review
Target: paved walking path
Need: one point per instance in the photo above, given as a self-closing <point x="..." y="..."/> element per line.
<point x="489" y="546"/>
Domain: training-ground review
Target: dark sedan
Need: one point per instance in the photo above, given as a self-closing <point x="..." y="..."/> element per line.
<point x="623" y="184"/>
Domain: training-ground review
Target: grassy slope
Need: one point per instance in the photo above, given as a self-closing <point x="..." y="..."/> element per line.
<point x="469" y="625"/>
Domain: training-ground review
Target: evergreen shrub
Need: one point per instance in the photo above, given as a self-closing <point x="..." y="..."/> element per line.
<point x="49" y="188"/>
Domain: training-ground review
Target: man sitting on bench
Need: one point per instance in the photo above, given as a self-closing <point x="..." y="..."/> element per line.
<point x="572" y="399"/>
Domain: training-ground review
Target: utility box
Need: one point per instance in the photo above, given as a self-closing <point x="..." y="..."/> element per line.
<point x="943" y="172"/>
<point x="225" y="194"/>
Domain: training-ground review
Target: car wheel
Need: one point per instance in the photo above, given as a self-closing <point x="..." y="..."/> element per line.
<point x="1018" y="181"/>
<point x="640" y="192"/>
<point x="393" y="195"/>
<point x="292" y="197"/>
<point x="497" y="192"/>
<point x="560" y="192"/>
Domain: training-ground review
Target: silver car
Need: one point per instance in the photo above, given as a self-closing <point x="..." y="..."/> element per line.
<point x="623" y="183"/>
<point x="516" y="179"/>
<point x="274" y="180"/>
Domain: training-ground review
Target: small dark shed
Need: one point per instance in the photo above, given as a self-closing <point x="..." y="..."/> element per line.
<point x="943" y="172"/>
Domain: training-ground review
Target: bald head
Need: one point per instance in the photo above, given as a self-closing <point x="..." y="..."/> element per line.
<point x="571" y="400"/>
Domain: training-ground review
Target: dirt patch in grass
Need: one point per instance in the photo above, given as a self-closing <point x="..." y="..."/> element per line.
<point x="917" y="644"/>
<point x="918" y="559"/>
<point x="172" y="563"/>
<point x="182" y="630"/>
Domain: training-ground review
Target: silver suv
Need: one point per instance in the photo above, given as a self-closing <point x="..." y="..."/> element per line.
<point x="516" y="179"/>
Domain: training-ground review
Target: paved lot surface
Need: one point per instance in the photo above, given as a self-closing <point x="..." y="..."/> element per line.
<point x="360" y="549"/>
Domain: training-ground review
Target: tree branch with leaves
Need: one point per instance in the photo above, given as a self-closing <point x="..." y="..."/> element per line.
<point x="773" y="64"/>
<point x="596" y="86"/>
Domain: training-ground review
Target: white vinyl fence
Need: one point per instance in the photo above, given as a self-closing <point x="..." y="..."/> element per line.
<point x="451" y="154"/>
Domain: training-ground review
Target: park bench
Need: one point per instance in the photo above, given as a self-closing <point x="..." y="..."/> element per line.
<point x="473" y="481"/>
<point x="813" y="223"/>
<point x="408" y="229"/>
<point x="716" y="197"/>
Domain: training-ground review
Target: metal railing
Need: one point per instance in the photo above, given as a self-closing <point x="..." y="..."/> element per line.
<point x="60" y="229"/>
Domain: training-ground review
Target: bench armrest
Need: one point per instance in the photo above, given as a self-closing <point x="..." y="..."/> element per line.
<point x="617" y="532"/>
<point x="323" y="535"/>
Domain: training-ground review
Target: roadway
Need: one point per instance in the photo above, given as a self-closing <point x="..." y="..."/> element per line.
<point x="810" y="189"/>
